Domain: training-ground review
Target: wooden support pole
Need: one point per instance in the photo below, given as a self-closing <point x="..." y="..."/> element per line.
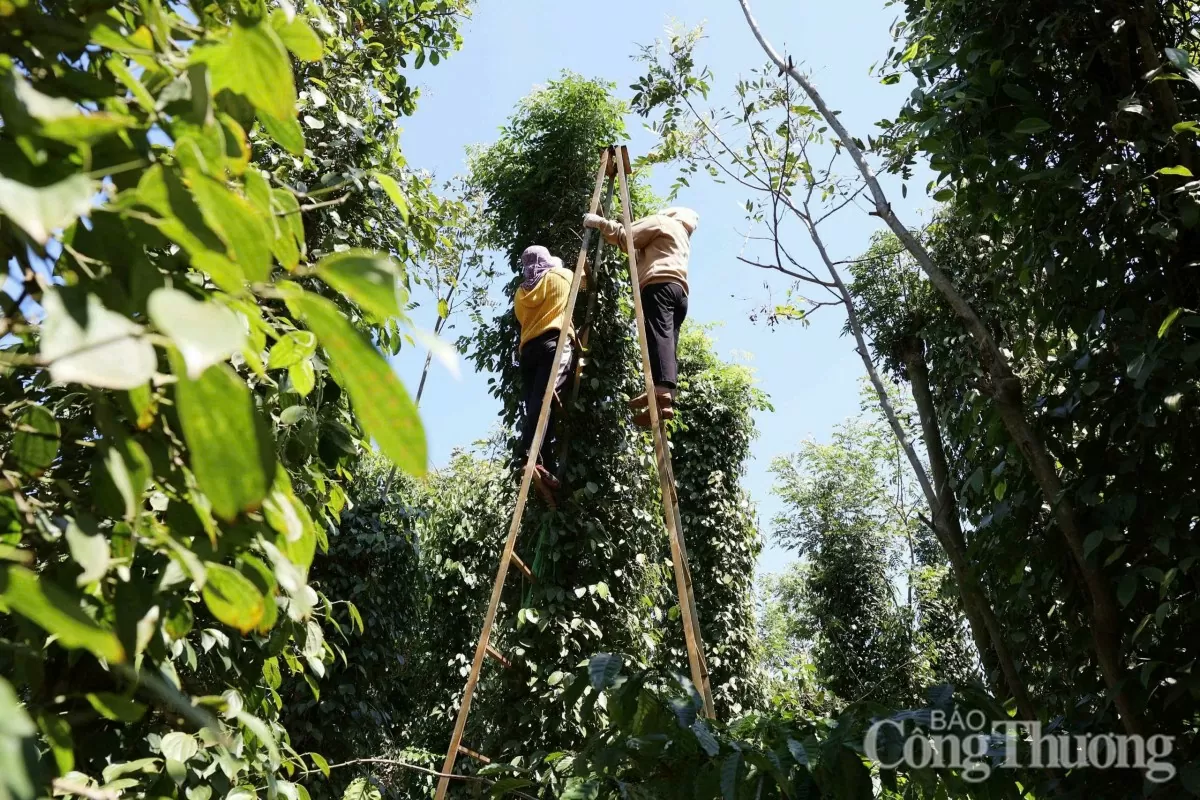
<point x="514" y="530"/>
<point x="666" y="479"/>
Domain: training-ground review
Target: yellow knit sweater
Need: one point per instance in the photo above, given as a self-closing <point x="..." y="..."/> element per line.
<point x="543" y="308"/>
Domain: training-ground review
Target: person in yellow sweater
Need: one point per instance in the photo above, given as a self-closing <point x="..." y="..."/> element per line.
<point x="541" y="309"/>
<point x="664" y="245"/>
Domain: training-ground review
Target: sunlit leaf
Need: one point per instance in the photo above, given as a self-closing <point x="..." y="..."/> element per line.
<point x="253" y="62"/>
<point x="205" y="333"/>
<point x="394" y="193"/>
<point x="84" y="342"/>
<point x="292" y="348"/>
<point x="56" y="612"/>
<point x="297" y="35"/>
<point x="237" y="222"/>
<point x="117" y="707"/>
<point x="372" y="280"/>
<point x="40" y="210"/>
<point x="233" y="598"/>
<point x="231" y="450"/>
<point x="379" y="399"/>
<point x="35" y="444"/>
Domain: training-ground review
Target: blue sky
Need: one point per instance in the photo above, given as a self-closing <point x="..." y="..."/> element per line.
<point x="811" y="373"/>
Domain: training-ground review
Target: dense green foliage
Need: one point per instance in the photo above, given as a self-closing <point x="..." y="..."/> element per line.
<point x="189" y="375"/>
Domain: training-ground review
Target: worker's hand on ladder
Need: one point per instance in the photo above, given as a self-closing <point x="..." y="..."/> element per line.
<point x="593" y="221"/>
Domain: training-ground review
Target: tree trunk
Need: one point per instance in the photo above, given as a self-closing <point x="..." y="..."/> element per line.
<point x="993" y="647"/>
<point x="1006" y="391"/>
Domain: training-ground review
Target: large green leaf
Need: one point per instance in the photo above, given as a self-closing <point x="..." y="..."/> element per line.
<point x="233" y="598"/>
<point x="290" y="519"/>
<point x="254" y="63"/>
<point x="361" y="789"/>
<point x="603" y="669"/>
<point x="39" y="210"/>
<point x="237" y="222"/>
<point x="56" y="612"/>
<point x="86" y="343"/>
<point x="179" y="746"/>
<point x="392" y="189"/>
<point x="297" y="35"/>
<point x="89" y="549"/>
<point x="292" y="348"/>
<point x="116" y="707"/>
<point x="372" y="280"/>
<point x="18" y="748"/>
<point x="35" y="445"/>
<point x="380" y="401"/>
<point x="205" y="333"/>
<point x="231" y="450"/>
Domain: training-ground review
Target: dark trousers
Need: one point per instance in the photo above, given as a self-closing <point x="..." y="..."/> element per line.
<point x="537" y="367"/>
<point x="665" y="307"/>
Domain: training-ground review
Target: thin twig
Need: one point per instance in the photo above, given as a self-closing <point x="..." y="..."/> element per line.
<point x="323" y="204"/>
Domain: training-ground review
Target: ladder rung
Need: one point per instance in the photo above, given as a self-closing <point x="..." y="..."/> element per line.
<point x="491" y="651"/>
<point x="466" y="751"/>
<point x="516" y="560"/>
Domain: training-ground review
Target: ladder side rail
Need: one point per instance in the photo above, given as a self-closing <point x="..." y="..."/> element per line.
<point x="522" y="496"/>
<point x="665" y="478"/>
<point x="585" y="331"/>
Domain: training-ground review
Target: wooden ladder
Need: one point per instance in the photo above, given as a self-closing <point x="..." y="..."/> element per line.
<point x="614" y="165"/>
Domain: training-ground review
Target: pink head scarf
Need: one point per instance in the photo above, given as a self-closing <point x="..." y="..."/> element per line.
<point x="536" y="262"/>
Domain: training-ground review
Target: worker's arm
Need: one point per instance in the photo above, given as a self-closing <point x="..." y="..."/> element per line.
<point x="644" y="231"/>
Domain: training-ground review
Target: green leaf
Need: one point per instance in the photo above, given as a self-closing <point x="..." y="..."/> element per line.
<point x="1178" y="169"/>
<point x="254" y="63"/>
<point x="292" y="348"/>
<point x="86" y="343"/>
<point x="290" y="519"/>
<point x="57" y="612"/>
<point x="1126" y="589"/>
<point x="392" y="189"/>
<point x="263" y="733"/>
<point x="505" y="785"/>
<point x="371" y="280"/>
<point x="361" y="789"/>
<point x="204" y="333"/>
<point x="555" y="678"/>
<point x="1191" y="126"/>
<point x="89" y="549"/>
<point x="303" y="377"/>
<point x="1166" y="323"/>
<point x="580" y="789"/>
<point x="705" y="738"/>
<point x="798" y="752"/>
<point x="320" y="763"/>
<point x="233" y="598"/>
<point x="271" y="673"/>
<point x="286" y="132"/>
<point x="19" y="772"/>
<point x="116" y="707"/>
<point x="35" y="444"/>
<point x="179" y="746"/>
<point x="289" y="209"/>
<point x="380" y="401"/>
<point x="1000" y="489"/>
<point x="1031" y="125"/>
<point x="57" y="733"/>
<point x="297" y="36"/>
<point x="729" y="774"/>
<point x="40" y="210"/>
<point x="231" y="450"/>
<point x="241" y="227"/>
<point x="603" y="669"/>
<point x="1183" y="63"/>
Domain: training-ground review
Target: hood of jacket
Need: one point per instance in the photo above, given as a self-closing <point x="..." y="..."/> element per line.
<point x="685" y="216"/>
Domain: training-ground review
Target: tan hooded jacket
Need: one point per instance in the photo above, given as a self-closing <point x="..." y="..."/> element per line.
<point x="663" y="243"/>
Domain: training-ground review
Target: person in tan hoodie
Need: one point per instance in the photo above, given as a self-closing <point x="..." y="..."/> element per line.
<point x="663" y="242"/>
<point x="541" y="309"/>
